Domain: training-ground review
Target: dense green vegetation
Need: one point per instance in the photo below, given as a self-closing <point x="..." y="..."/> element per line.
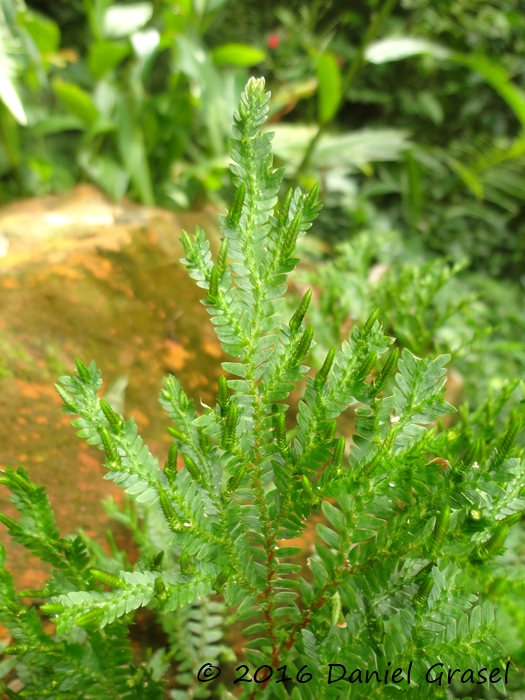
<point x="410" y="115"/>
<point x="137" y="97"/>
<point x="405" y="571"/>
<point x="411" y="118"/>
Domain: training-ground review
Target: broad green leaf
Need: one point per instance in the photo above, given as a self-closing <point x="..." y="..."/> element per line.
<point x="57" y="123"/>
<point x="347" y="150"/>
<point x="106" y="55"/>
<point x="329" y="87"/>
<point x="196" y="63"/>
<point x="44" y="32"/>
<point x="237" y="55"/>
<point x="77" y="100"/>
<point x="361" y="147"/>
<point x="397" y="48"/>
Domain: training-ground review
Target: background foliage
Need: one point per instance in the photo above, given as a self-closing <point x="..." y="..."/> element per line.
<point x="410" y="113"/>
<point x="444" y="100"/>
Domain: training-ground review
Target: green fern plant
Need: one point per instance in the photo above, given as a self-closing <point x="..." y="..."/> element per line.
<point x="410" y="518"/>
<point x="428" y="304"/>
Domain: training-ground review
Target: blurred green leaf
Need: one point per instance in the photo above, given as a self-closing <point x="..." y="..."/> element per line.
<point x="498" y="78"/>
<point x="123" y="20"/>
<point x="95" y="10"/>
<point x="237" y="55"/>
<point x="414" y="190"/>
<point x="505" y="185"/>
<point x="9" y="95"/>
<point x="108" y="175"/>
<point x="55" y="124"/>
<point x="329" y="87"/>
<point x="469" y="177"/>
<point x="210" y="5"/>
<point x="430" y="106"/>
<point x="287" y="95"/>
<point x="351" y="149"/>
<point x="44" y="32"/>
<point x="102" y="125"/>
<point x="106" y="55"/>
<point x="77" y="100"/>
<point x="175" y="23"/>
<point x="477" y="210"/>
<point x="8" y="70"/>
<point x="195" y="62"/>
<point x="496" y="154"/>
<point x="9" y="140"/>
<point x="397" y="48"/>
<point x="133" y="153"/>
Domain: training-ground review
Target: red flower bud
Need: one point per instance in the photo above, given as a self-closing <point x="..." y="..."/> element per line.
<point x="273" y="41"/>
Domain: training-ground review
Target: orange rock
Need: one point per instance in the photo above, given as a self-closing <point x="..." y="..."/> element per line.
<point x="174" y="355"/>
<point x="141" y="418"/>
<point x="85" y="277"/>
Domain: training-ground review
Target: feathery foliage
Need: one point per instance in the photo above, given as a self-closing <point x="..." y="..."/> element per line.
<point x="410" y="516"/>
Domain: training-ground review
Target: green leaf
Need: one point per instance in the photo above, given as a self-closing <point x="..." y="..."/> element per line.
<point x="195" y="61"/>
<point x="133" y="151"/>
<point x="44" y="32"/>
<point x="398" y="48"/>
<point x="334" y="515"/>
<point x="106" y="55"/>
<point x="336" y="608"/>
<point x="288" y="552"/>
<point x="57" y="124"/>
<point x="91" y="607"/>
<point x="351" y="149"/>
<point x="498" y="78"/>
<point x="236" y="368"/>
<point x="10" y="98"/>
<point x="329" y="536"/>
<point x="237" y="55"/>
<point x="77" y="100"/>
<point x="329" y="87"/>
<point x="8" y="70"/>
